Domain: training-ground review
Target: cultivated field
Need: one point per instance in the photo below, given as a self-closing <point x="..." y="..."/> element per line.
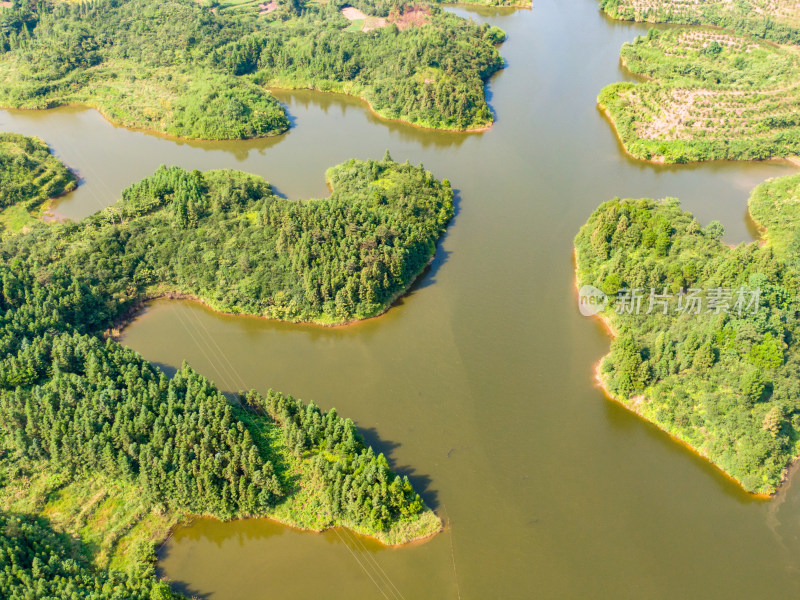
<point x="709" y="95"/>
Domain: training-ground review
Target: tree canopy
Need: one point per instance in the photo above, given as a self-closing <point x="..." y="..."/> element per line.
<point x="77" y="407"/>
<point x="187" y="70"/>
<point x="706" y="335"/>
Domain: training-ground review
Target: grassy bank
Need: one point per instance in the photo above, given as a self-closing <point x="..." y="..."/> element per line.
<point x="30" y="176"/>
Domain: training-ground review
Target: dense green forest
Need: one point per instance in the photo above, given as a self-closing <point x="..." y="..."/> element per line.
<point x="197" y="72"/>
<point x="36" y="562"/>
<point x="224" y="237"/>
<point x="706" y="336"/>
<point x="29" y="177"/>
<point x="709" y="95"/>
<point x="775" y="20"/>
<point x="100" y="452"/>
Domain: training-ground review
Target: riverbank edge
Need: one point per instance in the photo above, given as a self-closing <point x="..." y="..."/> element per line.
<point x="633" y="404"/>
<point x="186" y="520"/>
<point x="280" y="85"/>
<point x="116" y="329"/>
<point x="283" y="86"/>
<point x="791" y="159"/>
<point x="487" y="4"/>
<point x="148" y="130"/>
<point x="44" y="210"/>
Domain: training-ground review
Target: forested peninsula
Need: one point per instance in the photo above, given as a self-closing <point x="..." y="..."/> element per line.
<point x="30" y="176"/>
<point x="101" y="453"/>
<point x="709" y="94"/>
<point x="705" y="336"/>
<point x="194" y="70"/>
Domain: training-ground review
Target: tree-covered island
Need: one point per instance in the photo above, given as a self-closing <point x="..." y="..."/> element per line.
<point x="101" y="454"/>
<point x="705" y="336"/>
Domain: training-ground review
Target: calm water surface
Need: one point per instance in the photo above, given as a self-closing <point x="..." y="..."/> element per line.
<point x="478" y="385"/>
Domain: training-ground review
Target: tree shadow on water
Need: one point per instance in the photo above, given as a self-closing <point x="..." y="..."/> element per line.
<point x="168" y="370"/>
<point x="428" y="276"/>
<point x="421" y="482"/>
<point x="182" y="587"/>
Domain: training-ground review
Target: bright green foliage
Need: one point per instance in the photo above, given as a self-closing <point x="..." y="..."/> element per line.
<point x="78" y="408"/>
<point x="355" y="485"/>
<point x="775" y="20"/>
<point x="29" y="174"/>
<point x="36" y="562"/>
<point x="725" y="380"/>
<point x="180" y="68"/>
<point x="710" y="95"/>
<point x="225" y="237"/>
<point x="431" y="76"/>
<point x="775" y="207"/>
<point x="88" y="407"/>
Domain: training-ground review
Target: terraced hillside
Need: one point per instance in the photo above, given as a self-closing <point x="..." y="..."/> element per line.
<point x="709" y="95"/>
<point x="776" y="20"/>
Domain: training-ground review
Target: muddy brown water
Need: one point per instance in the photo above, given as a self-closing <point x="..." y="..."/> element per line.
<point x="478" y="384"/>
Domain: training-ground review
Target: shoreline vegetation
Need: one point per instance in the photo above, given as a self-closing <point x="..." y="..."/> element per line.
<point x="102" y="455"/>
<point x="30" y="178"/>
<point x="116" y="329"/>
<point x="721" y="380"/>
<point x="707" y="93"/>
<point x="489" y="3"/>
<point x="283" y="86"/>
<point x="779" y="23"/>
<point x="118" y="57"/>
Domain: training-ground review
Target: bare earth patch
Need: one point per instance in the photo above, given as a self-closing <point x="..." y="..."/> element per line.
<point x="267" y="7"/>
<point x="414" y="16"/>
<point x="353" y="14"/>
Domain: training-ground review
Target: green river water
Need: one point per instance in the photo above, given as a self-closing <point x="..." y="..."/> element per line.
<point x="479" y="383"/>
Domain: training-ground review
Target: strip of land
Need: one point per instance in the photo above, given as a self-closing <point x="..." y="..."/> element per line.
<point x="194" y="71"/>
<point x="775" y="20"/>
<point x="30" y="177"/>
